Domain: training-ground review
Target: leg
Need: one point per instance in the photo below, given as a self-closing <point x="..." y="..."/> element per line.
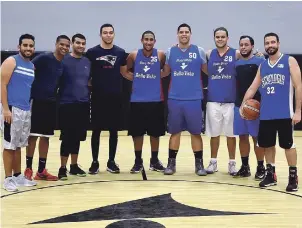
<point x="213" y="129"/>
<point x="95" y="144"/>
<point x="17" y="162"/>
<point x="244" y="147"/>
<point x="260" y="173"/>
<point x="30" y="150"/>
<point x="112" y="167"/>
<point x="138" y="142"/>
<point x="74" y="146"/>
<point x="64" y="153"/>
<point x="267" y="140"/>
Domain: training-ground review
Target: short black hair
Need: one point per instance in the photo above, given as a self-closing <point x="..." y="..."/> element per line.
<point x="271" y="34"/>
<point x="148" y="32"/>
<point x="221" y="29"/>
<point x="248" y="37"/>
<point x="62" y="37"/>
<point x="78" y="35"/>
<point x="26" y="36"/>
<point x="184" y="25"/>
<point x="106" y="25"/>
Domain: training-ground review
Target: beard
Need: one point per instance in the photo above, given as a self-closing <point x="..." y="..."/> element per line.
<point x="247" y="54"/>
<point x="26" y="56"/>
<point x="107" y="42"/>
<point x="272" y="51"/>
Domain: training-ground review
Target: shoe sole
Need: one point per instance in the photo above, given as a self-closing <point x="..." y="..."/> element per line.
<point x="63" y="178"/>
<point x="44" y="179"/>
<point x="210" y="172"/>
<point x="156" y="170"/>
<point x="268" y="185"/>
<point x="292" y="190"/>
<point x="111" y="171"/>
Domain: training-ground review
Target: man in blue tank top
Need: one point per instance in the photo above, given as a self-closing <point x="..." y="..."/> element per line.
<point x="221" y="98"/>
<point x="17" y="75"/>
<point x="74" y="110"/>
<point x="246" y="70"/>
<point x="107" y="111"/>
<point x="147" y="115"/>
<point x="185" y="62"/>
<point x="276" y="79"/>
<point x="48" y="70"/>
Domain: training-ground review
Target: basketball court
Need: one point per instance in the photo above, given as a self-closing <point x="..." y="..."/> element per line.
<point x="183" y="200"/>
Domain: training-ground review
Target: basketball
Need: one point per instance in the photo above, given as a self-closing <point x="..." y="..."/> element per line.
<point x="251" y="109"/>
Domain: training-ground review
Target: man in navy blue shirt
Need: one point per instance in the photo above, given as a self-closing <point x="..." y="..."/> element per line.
<point x="74" y="110"/>
<point x="48" y="70"/>
<point x="107" y="112"/>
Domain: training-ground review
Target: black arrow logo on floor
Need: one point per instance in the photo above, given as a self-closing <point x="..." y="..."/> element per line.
<point x="161" y="206"/>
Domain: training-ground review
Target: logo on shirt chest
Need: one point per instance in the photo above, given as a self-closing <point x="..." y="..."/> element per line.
<point x="109" y="59"/>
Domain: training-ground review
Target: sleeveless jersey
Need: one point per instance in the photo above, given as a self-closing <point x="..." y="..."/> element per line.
<point x="276" y="90"/>
<point x="222" y="77"/>
<point x="146" y="85"/>
<point x="19" y="86"/>
<point x="186" y="83"/>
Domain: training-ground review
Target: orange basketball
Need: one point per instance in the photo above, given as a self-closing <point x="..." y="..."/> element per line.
<point x="251" y="109"/>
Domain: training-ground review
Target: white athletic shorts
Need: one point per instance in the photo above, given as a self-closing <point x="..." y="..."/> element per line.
<point x="17" y="132"/>
<point x="220" y="119"/>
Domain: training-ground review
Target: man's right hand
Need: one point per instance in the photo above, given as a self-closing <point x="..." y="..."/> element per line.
<point x="7" y="115"/>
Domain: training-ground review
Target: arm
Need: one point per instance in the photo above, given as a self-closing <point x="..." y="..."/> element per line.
<point x="7" y="69"/>
<point x="162" y="59"/>
<point x="204" y="57"/>
<point x="295" y="74"/>
<point x="166" y="68"/>
<point x="125" y="69"/>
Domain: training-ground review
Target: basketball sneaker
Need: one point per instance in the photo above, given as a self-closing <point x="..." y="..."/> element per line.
<point x="76" y="170"/>
<point x="94" y="168"/>
<point x="62" y="175"/>
<point x="199" y="168"/>
<point x="269" y="179"/>
<point x="171" y="167"/>
<point x="156" y="166"/>
<point x="212" y="168"/>
<point x="244" y="171"/>
<point x="137" y="167"/>
<point x="232" y="168"/>
<point x="22" y="181"/>
<point x="292" y="182"/>
<point x="44" y="175"/>
<point x="28" y="173"/>
<point x="10" y="185"/>
<point x="260" y="173"/>
<point x="112" y="167"/>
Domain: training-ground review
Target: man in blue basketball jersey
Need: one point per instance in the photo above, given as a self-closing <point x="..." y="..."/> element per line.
<point x="17" y="76"/>
<point x="74" y="108"/>
<point x="48" y="70"/>
<point x="246" y="70"/>
<point x="221" y="98"/>
<point x="276" y="80"/>
<point x="185" y="62"/>
<point x="147" y="114"/>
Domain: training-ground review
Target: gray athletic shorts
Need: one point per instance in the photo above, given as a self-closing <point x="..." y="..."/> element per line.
<point x="17" y="132"/>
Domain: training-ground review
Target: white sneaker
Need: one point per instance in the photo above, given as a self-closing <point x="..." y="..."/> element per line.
<point x="10" y="185"/>
<point x="22" y="181"/>
<point x="232" y="168"/>
<point x="212" y="168"/>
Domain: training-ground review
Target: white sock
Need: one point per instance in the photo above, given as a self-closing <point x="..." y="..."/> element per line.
<point x="213" y="159"/>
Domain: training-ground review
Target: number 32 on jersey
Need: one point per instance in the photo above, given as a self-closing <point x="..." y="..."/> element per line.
<point x="270" y="90"/>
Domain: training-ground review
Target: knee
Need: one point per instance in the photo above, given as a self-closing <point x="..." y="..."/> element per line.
<point x="64" y="150"/>
<point x="244" y="138"/>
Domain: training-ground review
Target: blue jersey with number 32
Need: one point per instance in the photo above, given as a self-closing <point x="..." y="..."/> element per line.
<point x="276" y="90"/>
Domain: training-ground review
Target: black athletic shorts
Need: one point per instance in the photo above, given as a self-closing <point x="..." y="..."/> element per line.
<point x="74" y="121"/>
<point x="107" y="113"/>
<point x="43" y="118"/>
<point x="147" y="118"/>
<point x="268" y="130"/>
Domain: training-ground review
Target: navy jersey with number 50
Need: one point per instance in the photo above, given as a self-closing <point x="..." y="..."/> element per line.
<point x="276" y="90"/>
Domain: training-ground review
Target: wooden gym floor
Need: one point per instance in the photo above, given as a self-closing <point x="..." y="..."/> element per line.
<point x="183" y="200"/>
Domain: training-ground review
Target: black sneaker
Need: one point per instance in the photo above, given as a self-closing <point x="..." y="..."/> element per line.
<point x="269" y="179"/>
<point x="260" y="173"/>
<point x="137" y="167"/>
<point x="94" y="168"/>
<point x="112" y="167"/>
<point x="292" y="183"/>
<point x="244" y="171"/>
<point x="76" y="170"/>
<point x="156" y="166"/>
<point x="62" y="175"/>
<point x="171" y="167"/>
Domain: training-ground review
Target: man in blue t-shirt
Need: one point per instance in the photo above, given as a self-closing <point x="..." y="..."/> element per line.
<point x="246" y="70"/>
<point x="107" y="112"/>
<point x="185" y="62"/>
<point x="17" y="75"/>
<point x="48" y="70"/>
<point x="74" y="107"/>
